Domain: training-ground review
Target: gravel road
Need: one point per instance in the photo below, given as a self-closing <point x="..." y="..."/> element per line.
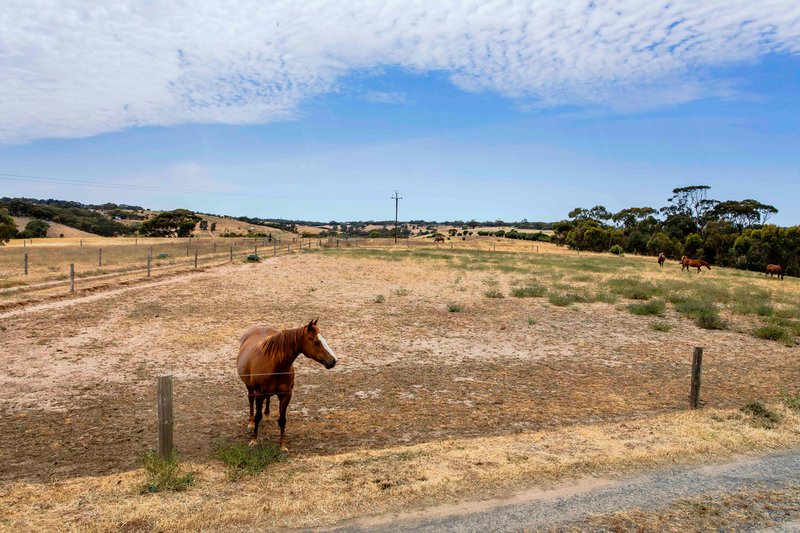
<point x="571" y="504"/>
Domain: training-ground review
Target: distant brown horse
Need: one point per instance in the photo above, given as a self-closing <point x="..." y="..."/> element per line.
<point x="774" y="270"/>
<point x="265" y="360"/>
<point x="693" y="263"/>
<point x="438" y="239"/>
<point x="661" y="259"/>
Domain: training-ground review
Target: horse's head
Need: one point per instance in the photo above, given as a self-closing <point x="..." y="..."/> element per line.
<point x="314" y="346"/>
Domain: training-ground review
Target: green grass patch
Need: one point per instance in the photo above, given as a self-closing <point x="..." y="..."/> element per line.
<point x="653" y="307"/>
<point x="454" y="308"/>
<point x="705" y="314"/>
<point x="792" y="401"/>
<point x="401" y="291"/>
<point x="532" y="320"/>
<point x="563" y="299"/>
<point x="774" y="333"/>
<point x="633" y="288"/>
<point x="493" y="293"/>
<point x="164" y="474"/>
<point x="243" y="460"/>
<point x="660" y="326"/>
<point x="379" y="299"/>
<point x="532" y="290"/>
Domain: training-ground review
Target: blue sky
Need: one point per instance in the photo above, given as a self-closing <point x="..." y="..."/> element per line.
<point x="471" y="112"/>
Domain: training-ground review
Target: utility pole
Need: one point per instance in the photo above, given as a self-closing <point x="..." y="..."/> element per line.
<point x="396" y="199"/>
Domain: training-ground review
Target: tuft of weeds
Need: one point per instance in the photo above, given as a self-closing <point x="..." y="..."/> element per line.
<point x="532" y="290"/>
<point x="653" y="307"/>
<point x="605" y="297"/>
<point x="750" y="308"/>
<point x="379" y="299"/>
<point x="633" y="288"/>
<point x="532" y="320"/>
<point x="792" y="401"/>
<point x="705" y="314"/>
<point x="661" y="326"/>
<point x="563" y="299"/>
<point x="774" y="333"/>
<point x="761" y="415"/>
<point x="164" y="474"/>
<point x="454" y="308"/>
<point x="242" y="460"/>
<point x="401" y="291"/>
<point x="493" y="293"/>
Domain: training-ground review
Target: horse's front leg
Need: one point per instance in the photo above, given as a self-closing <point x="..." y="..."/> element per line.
<point x="257" y="419"/>
<point x="284" y="404"/>
<point x="251" y="398"/>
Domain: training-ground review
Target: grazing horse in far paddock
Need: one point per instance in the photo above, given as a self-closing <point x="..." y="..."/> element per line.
<point x="774" y="270"/>
<point x="265" y="363"/>
<point x="661" y="259"/>
<point x="438" y="239"/>
<point x="693" y="263"/>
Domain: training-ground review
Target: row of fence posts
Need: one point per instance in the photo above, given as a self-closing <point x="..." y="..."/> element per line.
<point x="166" y="417"/>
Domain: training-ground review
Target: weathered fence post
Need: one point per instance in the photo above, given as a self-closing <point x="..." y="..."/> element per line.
<point x="100" y="257"/>
<point x="697" y="362"/>
<point x="26" y="263"/>
<point x="148" y="266"/>
<point x="255" y="249"/>
<point x="215" y="247"/>
<point x="72" y="277"/>
<point x="165" y="420"/>
<point x="136" y="241"/>
<point x="231" y="253"/>
<point x="195" y="257"/>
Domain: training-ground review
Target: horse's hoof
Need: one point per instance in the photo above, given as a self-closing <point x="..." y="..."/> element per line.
<point x="285" y="449"/>
<point x="253" y="442"/>
<point x="251" y="426"/>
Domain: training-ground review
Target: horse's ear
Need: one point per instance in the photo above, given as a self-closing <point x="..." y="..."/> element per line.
<point x="310" y="326"/>
<point x="316" y="320"/>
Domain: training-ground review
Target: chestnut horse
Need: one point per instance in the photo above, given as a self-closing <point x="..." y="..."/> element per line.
<point x="438" y="239"/>
<point x="661" y="259"/>
<point x="694" y="263"/>
<point x="265" y="360"/>
<point x="774" y="270"/>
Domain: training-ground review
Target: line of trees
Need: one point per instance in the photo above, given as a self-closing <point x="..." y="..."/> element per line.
<point x="732" y="233"/>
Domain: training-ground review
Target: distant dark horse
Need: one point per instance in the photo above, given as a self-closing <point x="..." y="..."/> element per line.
<point x="661" y="259"/>
<point x="438" y="238"/>
<point x="774" y="270"/>
<point x="693" y="263"/>
<point x="265" y="363"/>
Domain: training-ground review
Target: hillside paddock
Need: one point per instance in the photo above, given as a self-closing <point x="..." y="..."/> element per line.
<point x="476" y="373"/>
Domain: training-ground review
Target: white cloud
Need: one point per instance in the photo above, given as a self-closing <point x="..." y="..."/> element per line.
<point x="386" y="97"/>
<point x="72" y="68"/>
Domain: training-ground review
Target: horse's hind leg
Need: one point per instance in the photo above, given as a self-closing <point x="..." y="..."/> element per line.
<point x="251" y="397"/>
<point x="257" y="419"/>
<point x="284" y="400"/>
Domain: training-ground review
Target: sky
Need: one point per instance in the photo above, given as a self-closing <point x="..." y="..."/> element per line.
<point x="320" y="110"/>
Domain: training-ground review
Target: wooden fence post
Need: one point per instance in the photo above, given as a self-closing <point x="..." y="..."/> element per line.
<point x="100" y="257"/>
<point x="215" y="247"/>
<point x="694" y="393"/>
<point x="165" y="420"/>
<point x="231" y="253"/>
<point x="72" y="277"/>
<point x="26" y="263"/>
<point x="195" y="257"/>
<point x="148" y="266"/>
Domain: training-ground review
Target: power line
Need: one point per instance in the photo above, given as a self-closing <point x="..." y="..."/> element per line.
<point x="396" y="199"/>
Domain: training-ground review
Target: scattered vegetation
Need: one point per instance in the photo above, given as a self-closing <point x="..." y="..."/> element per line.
<point x="454" y="308"/>
<point x="379" y="299"/>
<point x="531" y="290"/>
<point x="164" y="474"/>
<point x="401" y="291"/>
<point x="243" y="460"/>
<point x="774" y="333"/>
<point x="493" y="293"/>
<point x="761" y="415"/>
<point x="532" y="320"/>
<point x="653" y="307"/>
<point x="661" y="326"/>
<point x="792" y="401"/>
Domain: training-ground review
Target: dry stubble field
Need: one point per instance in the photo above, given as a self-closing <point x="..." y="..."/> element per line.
<point x="415" y="380"/>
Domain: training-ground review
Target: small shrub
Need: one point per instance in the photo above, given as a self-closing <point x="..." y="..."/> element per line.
<point x="562" y="299"/>
<point x="774" y="333"/>
<point x="606" y="297"/>
<point x="379" y="299"/>
<point x="761" y="415"/>
<point x="493" y="293"/>
<point x="632" y="288"/>
<point x="661" y="326"/>
<point x="710" y="320"/>
<point x="164" y="474"/>
<point x="653" y="307"/>
<point x="529" y="291"/>
<point x="454" y="308"/>
<point x="242" y="460"/>
<point x="532" y="320"/>
<point x="401" y="292"/>
<point x="704" y="314"/>
<point x="616" y="249"/>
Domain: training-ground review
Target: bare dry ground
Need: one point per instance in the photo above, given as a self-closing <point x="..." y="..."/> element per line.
<point x="416" y="382"/>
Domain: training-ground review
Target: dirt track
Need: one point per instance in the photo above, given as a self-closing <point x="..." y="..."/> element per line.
<point x="78" y="381"/>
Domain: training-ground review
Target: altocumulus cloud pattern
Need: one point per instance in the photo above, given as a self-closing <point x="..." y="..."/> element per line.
<point x="76" y="68"/>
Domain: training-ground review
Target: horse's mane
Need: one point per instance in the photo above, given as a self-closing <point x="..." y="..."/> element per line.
<point x="282" y="345"/>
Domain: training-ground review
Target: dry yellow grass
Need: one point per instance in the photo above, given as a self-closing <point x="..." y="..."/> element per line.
<point x="322" y="490"/>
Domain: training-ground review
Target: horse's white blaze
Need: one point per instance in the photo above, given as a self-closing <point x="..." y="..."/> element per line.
<point x="327" y="348"/>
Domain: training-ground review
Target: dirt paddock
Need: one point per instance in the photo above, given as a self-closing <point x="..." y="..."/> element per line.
<point x="77" y="391"/>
